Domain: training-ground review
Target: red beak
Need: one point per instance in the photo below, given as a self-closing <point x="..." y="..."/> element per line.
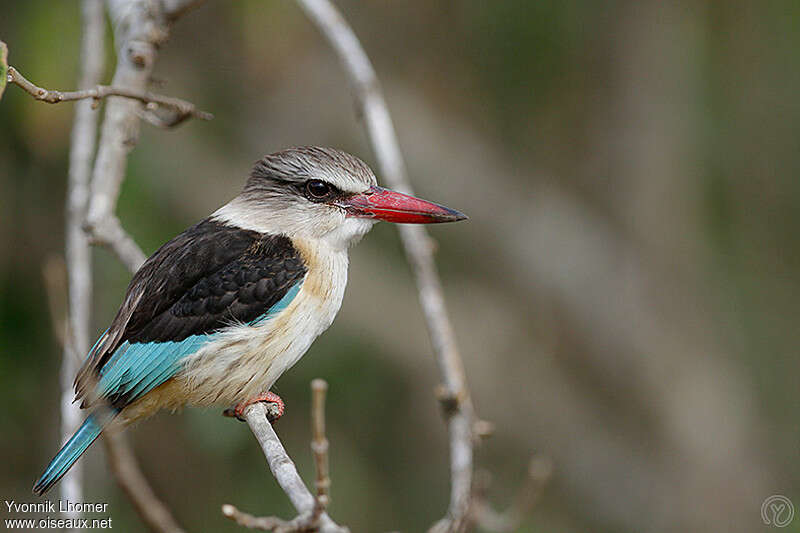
<point x="391" y="206"/>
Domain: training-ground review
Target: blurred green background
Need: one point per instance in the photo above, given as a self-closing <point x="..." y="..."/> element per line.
<point x="626" y="292"/>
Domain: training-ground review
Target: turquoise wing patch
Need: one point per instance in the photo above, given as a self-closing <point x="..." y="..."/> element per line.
<point x="137" y="368"/>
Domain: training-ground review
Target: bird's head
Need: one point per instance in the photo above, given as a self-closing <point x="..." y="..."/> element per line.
<point x="323" y="194"/>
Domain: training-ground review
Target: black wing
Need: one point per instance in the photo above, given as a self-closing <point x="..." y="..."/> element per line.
<point x="206" y="278"/>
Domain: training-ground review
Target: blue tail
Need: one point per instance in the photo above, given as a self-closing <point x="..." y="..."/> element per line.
<point x="66" y="457"/>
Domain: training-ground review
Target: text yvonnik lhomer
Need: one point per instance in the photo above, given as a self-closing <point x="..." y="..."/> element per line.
<point x="51" y="507"/>
<point x="62" y="506"/>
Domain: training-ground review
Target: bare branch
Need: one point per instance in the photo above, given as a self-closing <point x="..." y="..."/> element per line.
<point x="540" y="470"/>
<point x="181" y="108"/>
<point x="77" y="252"/>
<point x="140" y="27"/>
<point x="319" y="442"/>
<point x="419" y="252"/>
<point x="133" y="483"/>
<point x="300" y="523"/>
<point x="311" y="514"/>
<point x="109" y="232"/>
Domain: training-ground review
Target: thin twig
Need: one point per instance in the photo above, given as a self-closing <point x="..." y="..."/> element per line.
<point x="419" y="251"/>
<point x="181" y="109"/>
<point x="109" y="232"/>
<point x="319" y="442"/>
<point x="299" y="524"/>
<point x="285" y="472"/>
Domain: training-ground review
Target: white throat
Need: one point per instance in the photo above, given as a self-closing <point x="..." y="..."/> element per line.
<point x="334" y="230"/>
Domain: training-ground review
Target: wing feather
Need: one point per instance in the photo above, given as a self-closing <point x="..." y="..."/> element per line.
<point x="205" y="279"/>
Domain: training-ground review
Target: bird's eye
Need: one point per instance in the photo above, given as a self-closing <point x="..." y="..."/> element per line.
<point x="317" y="189"/>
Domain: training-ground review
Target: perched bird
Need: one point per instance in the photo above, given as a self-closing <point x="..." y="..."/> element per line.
<point x="218" y="313"/>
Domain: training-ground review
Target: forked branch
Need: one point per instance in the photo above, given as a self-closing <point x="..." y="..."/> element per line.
<point x="310" y="508"/>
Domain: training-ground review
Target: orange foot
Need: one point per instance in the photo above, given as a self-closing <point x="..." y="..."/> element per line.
<point x="275" y="406"/>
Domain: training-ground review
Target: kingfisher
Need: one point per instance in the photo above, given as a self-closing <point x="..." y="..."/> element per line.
<point x="217" y="314"/>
